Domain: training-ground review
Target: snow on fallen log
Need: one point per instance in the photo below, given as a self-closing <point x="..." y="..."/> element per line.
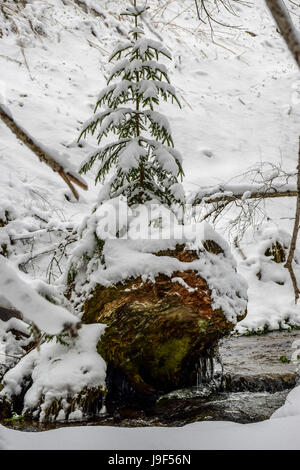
<point x="57" y="162"/>
<point x="48" y="317"/>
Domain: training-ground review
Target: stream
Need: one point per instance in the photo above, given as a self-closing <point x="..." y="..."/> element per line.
<point x="252" y="381"/>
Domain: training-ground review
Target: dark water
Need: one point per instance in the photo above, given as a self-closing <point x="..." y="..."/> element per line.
<point x="250" y="382"/>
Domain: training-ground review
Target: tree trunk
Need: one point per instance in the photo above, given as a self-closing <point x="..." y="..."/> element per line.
<point x="286" y="27"/>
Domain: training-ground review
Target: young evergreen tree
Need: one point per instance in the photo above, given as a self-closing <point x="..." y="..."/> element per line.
<point x="146" y="165"/>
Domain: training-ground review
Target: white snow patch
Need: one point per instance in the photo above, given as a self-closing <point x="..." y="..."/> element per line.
<point x="58" y="371"/>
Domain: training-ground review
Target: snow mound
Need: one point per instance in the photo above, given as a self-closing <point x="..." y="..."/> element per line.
<point x="46" y="316"/>
<point x="271" y="297"/>
<point x="103" y="258"/>
<point x="58" y="373"/>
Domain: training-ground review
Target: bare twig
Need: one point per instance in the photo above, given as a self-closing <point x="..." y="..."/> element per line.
<point x="25" y="60"/>
<point x="239" y="249"/>
<point x="93" y="44"/>
<point x="9" y="355"/>
<point x="209" y="15"/>
<point x="10" y="59"/>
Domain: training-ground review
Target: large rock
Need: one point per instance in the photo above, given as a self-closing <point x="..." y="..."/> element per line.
<point x="157" y="331"/>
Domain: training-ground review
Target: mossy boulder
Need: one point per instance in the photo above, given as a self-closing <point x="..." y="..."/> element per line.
<point x="156" y="331"/>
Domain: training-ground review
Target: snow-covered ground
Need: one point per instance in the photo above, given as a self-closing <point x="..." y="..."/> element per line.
<point x="281" y="432"/>
<point x="240" y="97"/>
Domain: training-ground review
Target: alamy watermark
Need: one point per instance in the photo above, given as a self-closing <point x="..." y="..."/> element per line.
<point x="148" y="222"/>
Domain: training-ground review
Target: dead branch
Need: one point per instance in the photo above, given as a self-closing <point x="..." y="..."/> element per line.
<point x="263" y="194"/>
<point x="238" y="248"/>
<point x="290" y="258"/>
<point x="259" y="183"/>
<point x="206" y="14"/>
<point x="10" y="59"/>
<point x="286" y="27"/>
<point x="9" y="355"/>
<point x="25" y="60"/>
<point x="42" y="155"/>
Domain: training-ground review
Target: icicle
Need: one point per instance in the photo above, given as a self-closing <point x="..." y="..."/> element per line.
<point x="209" y="369"/>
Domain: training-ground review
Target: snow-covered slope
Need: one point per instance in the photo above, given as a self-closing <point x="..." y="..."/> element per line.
<point x="240" y="104"/>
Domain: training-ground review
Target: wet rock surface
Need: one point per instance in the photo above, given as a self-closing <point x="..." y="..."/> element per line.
<point x="255" y="383"/>
<point x="259" y="354"/>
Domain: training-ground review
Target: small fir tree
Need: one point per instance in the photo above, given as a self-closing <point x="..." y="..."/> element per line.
<point x="146" y="165"/>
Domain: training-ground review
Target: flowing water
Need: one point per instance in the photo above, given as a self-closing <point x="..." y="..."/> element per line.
<point x="246" y="383"/>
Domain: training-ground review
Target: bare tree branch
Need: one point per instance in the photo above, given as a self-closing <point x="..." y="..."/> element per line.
<point x="253" y="194"/>
<point x="245" y="199"/>
<point x="286" y="27"/>
<point x="68" y="176"/>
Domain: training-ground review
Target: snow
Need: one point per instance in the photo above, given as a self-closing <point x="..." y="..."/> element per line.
<point x="58" y="372"/>
<point x="148" y="88"/>
<point x="264" y="276"/>
<point x="135" y="10"/>
<point x="11" y="348"/>
<point x="46" y="316"/>
<point x="142" y="45"/>
<point x="61" y="161"/>
<point x="130" y="156"/>
<point x="178" y="191"/>
<point x="158" y="119"/>
<point x="135" y="65"/>
<point x="274" y="434"/>
<point x="292" y="406"/>
<point x="166" y="160"/>
<point x="240" y="100"/>
<point x="120" y="48"/>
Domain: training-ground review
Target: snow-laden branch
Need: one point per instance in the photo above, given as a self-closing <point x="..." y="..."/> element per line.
<point x="286" y="27"/>
<point x="232" y="192"/>
<point x="56" y="162"/>
<point x="48" y="317"/>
